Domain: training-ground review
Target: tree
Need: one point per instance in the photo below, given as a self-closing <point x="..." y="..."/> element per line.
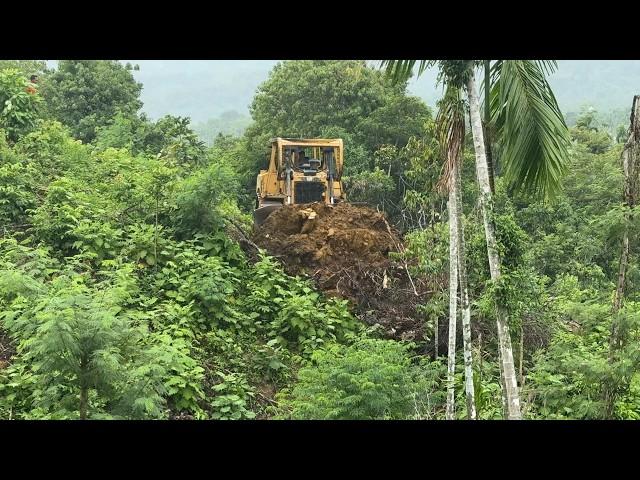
<point x="533" y="137"/>
<point x="631" y="169"/>
<point x="170" y="137"/>
<point x="588" y="131"/>
<point x="450" y="122"/>
<point x="451" y="138"/>
<point x="509" y="381"/>
<point x="81" y="345"/>
<point x="394" y="123"/>
<point x="86" y="94"/>
<point x="302" y="97"/>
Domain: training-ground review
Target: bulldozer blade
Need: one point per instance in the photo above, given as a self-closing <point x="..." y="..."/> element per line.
<point x="261" y="214"/>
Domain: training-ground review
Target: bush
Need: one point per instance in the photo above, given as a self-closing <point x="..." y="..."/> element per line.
<point x="370" y="379"/>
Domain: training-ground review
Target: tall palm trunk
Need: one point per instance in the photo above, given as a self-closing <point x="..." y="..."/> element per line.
<point x="453" y="301"/>
<point x="510" y="384"/>
<point x="464" y="296"/>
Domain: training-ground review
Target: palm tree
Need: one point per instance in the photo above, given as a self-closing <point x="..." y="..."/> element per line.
<point x="450" y="123"/>
<point x="533" y="138"/>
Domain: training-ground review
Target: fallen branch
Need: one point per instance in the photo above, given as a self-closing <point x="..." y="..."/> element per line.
<point x="242" y="232"/>
<point x="266" y="398"/>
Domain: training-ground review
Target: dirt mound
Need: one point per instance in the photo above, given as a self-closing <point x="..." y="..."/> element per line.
<point x="345" y="250"/>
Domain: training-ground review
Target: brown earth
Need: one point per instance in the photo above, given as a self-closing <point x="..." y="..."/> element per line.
<point x="345" y="251"/>
<point x="7" y="350"/>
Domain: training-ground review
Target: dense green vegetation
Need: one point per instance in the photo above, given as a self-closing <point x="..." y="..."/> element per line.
<point x="124" y="292"/>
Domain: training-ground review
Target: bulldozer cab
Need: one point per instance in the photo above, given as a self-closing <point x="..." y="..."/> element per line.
<point x="308" y="156"/>
<point x="303" y="161"/>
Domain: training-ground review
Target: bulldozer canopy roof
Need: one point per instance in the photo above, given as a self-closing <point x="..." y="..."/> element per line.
<point x="311" y="142"/>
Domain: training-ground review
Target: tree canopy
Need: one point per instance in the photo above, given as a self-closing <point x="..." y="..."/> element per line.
<point x="87" y="94"/>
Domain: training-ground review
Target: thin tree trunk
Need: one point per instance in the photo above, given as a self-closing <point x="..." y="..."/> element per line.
<point x="622" y="272"/>
<point x="155" y="243"/>
<point x="631" y="170"/>
<point x="464" y="296"/>
<point x="505" y="404"/>
<point x="436" y="337"/>
<point x="437" y="327"/>
<point x="521" y="354"/>
<point x="480" y="351"/>
<point x="615" y="342"/>
<point x="84" y="400"/>
<point x="511" y="395"/>
<point x="453" y="302"/>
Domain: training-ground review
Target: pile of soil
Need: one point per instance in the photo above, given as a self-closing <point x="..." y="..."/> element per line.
<point x="345" y="250"/>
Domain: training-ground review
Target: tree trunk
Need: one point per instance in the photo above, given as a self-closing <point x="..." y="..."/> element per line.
<point x="622" y="272"/>
<point x="453" y="302"/>
<point x="436" y="339"/>
<point x="464" y="296"/>
<point x="510" y="389"/>
<point x="521" y="354"/>
<point x="631" y="170"/>
<point x="84" y="401"/>
<point x="155" y="242"/>
<point x="436" y="331"/>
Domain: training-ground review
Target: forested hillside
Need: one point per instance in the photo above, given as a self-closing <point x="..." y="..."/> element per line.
<point x="131" y="288"/>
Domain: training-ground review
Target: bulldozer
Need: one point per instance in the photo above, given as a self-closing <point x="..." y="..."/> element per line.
<point x="300" y="171"/>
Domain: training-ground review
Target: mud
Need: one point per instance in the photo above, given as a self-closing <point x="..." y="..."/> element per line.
<point x="346" y="251"/>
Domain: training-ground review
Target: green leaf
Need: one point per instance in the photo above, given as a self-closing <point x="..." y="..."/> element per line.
<point x="530" y="126"/>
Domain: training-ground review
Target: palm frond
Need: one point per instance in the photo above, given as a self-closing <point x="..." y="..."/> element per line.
<point x="450" y="134"/>
<point x="548" y="66"/>
<point x="401" y="70"/>
<point x="530" y="127"/>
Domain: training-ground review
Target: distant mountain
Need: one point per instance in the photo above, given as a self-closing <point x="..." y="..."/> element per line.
<point x="603" y="84"/>
<point x="200" y="89"/>
<point x="606" y="85"/>
<point x="228" y="123"/>
<point x="206" y="89"/>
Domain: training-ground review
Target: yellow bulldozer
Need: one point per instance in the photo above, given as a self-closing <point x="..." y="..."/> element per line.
<point x="300" y="171"/>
